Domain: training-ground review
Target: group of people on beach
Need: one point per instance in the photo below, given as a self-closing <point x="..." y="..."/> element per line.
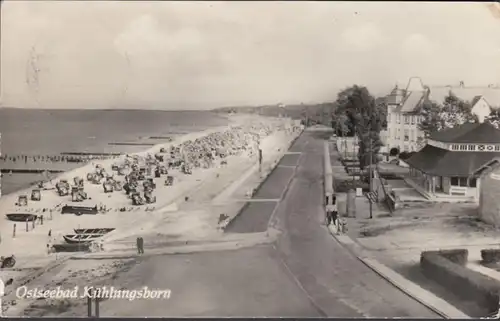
<point x="203" y="151"/>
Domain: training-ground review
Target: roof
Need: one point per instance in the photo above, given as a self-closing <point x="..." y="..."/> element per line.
<point x="411" y="101"/>
<point x="475" y="100"/>
<point x="473" y="133"/>
<point x="491" y="94"/>
<point x="441" y="162"/>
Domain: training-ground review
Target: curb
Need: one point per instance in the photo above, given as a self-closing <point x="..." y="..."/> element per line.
<point x="271" y="222"/>
<point x="445" y="310"/>
<point x="187" y="249"/>
<point x="272" y="219"/>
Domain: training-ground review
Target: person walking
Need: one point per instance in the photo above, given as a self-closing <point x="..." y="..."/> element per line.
<point x="140" y="245"/>
<point x="329" y="214"/>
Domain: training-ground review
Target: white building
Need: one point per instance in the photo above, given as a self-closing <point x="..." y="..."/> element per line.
<point x="403" y="118"/>
<point x="402" y="132"/>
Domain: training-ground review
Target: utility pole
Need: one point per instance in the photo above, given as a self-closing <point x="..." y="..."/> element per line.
<point x="370" y="162"/>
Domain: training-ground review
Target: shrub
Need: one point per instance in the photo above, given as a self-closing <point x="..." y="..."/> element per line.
<point x="490" y="255"/>
<point x="343" y="186"/>
<point x="448" y="269"/>
<point x="404" y="155"/>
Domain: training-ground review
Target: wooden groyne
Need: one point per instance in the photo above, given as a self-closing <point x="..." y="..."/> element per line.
<point x="29" y="171"/>
<point x="89" y="154"/>
<point x="132" y="144"/>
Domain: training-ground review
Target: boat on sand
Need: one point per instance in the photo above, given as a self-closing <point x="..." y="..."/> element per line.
<point x="21" y="217"/>
<point x="81" y="238"/>
<point x="93" y="230"/>
<point x="79" y="210"/>
<point x="85" y="247"/>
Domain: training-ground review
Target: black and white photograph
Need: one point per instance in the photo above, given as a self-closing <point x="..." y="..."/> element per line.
<point x="300" y="159"/>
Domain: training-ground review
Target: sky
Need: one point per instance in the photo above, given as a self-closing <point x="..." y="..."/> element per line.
<point x="197" y="55"/>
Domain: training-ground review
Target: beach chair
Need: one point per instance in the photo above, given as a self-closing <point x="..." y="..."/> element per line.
<point x="169" y="181"/>
<point x="108" y="187"/>
<point x="36" y="195"/>
<point x="22" y="200"/>
<point x="117" y="186"/>
<point x="75" y="197"/>
<point x="148" y="196"/>
<point x="137" y="199"/>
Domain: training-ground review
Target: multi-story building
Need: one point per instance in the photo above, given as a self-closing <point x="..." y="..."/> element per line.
<point x="403" y="118"/>
<point x="403" y="133"/>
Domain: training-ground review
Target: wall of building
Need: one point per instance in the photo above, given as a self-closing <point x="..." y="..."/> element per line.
<point x="489" y="206"/>
<point x="481" y="109"/>
<point x="399" y="124"/>
<point x="446" y="185"/>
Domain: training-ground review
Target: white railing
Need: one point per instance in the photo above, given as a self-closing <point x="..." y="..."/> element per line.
<point x="458" y="190"/>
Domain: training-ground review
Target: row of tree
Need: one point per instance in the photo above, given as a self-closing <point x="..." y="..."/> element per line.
<point x="451" y="113"/>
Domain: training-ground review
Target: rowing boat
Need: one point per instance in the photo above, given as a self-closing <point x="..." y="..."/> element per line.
<point x="81" y="238"/>
<point x="93" y="230"/>
<point x="21" y="217"/>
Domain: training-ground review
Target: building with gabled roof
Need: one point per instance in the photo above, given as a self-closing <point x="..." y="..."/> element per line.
<point x="403" y="106"/>
<point x="453" y="160"/>
<point x="402" y="133"/>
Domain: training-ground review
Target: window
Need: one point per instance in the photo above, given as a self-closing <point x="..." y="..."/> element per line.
<point x="463" y="147"/>
<point x="472" y="147"/>
<point x="412" y="135"/>
<point x="407" y="148"/>
<point x="389" y="117"/>
<point x="407" y="120"/>
<point x="455" y="147"/>
<point x="398" y="133"/>
<point x="472" y="182"/>
<point x="407" y="135"/>
<point x="412" y="118"/>
<point x="398" y="118"/>
<point x="459" y="181"/>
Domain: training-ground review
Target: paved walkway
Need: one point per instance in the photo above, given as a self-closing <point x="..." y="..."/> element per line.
<point x="338" y="283"/>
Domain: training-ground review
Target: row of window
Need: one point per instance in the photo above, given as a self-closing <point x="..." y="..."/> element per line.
<point x="462" y="181"/>
<point x="407" y="148"/>
<point x="409" y="135"/>
<point x="408" y="119"/>
<point x="474" y="147"/>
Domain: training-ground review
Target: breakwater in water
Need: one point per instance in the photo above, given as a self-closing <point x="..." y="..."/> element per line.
<point x="29" y="170"/>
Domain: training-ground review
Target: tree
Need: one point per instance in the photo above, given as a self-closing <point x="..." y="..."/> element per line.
<point x="366" y="118"/>
<point x="494" y="118"/>
<point x="452" y="113"/>
<point x="341" y="124"/>
<point x="431" y="121"/>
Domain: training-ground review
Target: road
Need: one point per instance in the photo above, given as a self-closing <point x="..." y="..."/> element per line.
<point x="306" y="273"/>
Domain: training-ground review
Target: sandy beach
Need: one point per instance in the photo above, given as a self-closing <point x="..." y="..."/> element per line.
<point x="187" y="212"/>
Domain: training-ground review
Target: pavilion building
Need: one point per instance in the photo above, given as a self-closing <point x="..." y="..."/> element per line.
<point x="452" y="163"/>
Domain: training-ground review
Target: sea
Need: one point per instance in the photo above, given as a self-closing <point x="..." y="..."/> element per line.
<point x="30" y="132"/>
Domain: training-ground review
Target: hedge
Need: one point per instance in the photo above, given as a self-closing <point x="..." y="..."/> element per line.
<point x="448" y="269"/>
<point x="343" y="186"/>
<point x="490" y="255"/>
